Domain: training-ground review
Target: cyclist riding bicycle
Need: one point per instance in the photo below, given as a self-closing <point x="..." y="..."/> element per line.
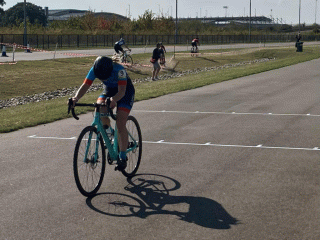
<point x="195" y="43"/>
<point x="118" y="46"/>
<point x="118" y="86"/>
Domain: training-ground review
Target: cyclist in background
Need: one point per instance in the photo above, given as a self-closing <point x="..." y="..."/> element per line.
<point x="195" y="43"/>
<point x="162" y="52"/>
<point x="118" y="86"/>
<point x="118" y="46"/>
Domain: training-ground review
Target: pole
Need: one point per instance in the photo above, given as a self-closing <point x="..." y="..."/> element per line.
<point x="315" y="18"/>
<point x="25" y="24"/>
<point x="250" y="24"/>
<point x="299" y="13"/>
<point x="176" y="35"/>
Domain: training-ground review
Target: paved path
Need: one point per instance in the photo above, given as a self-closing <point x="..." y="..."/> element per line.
<point x="233" y="160"/>
<point x="23" y="56"/>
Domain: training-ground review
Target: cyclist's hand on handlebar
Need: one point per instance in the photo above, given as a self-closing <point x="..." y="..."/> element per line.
<point x="74" y="101"/>
<point x="113" y="103"/>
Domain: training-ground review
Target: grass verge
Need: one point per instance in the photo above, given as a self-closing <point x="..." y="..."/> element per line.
<point x="48" y="111"/>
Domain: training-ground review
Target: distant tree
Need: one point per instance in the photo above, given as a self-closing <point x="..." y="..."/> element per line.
<point x="164" y="25"/>
<point x="15" y="15"/>
<point x="145" y="21"/>
<point x="2" y="2"/>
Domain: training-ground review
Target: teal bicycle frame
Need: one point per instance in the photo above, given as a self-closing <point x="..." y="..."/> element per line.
<point x="112" y="148"/>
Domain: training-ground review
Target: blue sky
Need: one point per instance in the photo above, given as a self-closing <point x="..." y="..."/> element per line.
<point x="287" y="10"/>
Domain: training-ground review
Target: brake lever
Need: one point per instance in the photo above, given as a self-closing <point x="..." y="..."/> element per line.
<point x="72" y="109"/>
<point x="69" y="105"/>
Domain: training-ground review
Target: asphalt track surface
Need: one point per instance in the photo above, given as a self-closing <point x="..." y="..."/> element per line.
<point x="233" y="160"/>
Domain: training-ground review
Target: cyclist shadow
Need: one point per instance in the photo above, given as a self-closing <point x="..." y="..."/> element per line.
<point x="208" y="59"/>
<point x="153" y="198"/>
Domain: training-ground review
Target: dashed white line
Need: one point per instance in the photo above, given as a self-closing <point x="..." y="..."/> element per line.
<point x="227" y="113"/>
<point x="59" y="138"/>
<point x="235" y="146"/>
<point x="260" y="146"/>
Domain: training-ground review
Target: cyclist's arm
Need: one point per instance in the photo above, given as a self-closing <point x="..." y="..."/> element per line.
<point x="85" y="85"/>
<point x="122" y="86"/>
<point x="82" y="90"/>
<point x="126" y="47"/>
<point x="120" y="94"/>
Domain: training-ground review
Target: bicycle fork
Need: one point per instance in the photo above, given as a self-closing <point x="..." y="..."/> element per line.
<point x="95" y="156"/>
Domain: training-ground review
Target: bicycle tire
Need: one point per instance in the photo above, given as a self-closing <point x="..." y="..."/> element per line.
<point x="85" y="171"/>
<point x="128" y="60"/>
<point x="134" y="157"/>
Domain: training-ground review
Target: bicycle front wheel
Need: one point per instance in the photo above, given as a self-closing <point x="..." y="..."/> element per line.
<point x="89" y="161"/>
<point x="134" y="143"/>
<point x="128" y="60"/>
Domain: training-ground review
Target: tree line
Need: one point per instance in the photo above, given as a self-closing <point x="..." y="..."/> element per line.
<point x="12" y="21"/>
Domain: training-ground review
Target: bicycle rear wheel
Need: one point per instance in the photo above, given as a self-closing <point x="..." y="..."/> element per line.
<point x="89" y="161"/>
<point x="134" y="156"/>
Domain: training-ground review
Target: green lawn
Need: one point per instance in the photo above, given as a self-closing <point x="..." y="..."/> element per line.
<point x="30" y="77"/>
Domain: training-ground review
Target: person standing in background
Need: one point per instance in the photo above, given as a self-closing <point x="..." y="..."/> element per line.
<point x="155" y="61"/>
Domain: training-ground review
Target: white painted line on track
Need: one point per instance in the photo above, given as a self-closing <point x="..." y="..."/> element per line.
<point x="236" y="146"/>
<point x="260" y="146"/>
<point x="229" y="113"/>
<point x="59" y="138"/>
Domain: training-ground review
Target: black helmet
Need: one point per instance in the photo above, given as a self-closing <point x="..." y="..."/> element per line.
<point x="103" y="67"/>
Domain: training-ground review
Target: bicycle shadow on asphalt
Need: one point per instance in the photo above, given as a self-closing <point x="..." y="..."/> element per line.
<point x="151" y="196"/>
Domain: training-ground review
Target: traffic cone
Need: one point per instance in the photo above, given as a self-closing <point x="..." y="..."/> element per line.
<point x="4" y="53"/>
<point x="28" y="48"/>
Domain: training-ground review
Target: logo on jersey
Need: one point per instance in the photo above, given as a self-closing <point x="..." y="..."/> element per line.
<point x="122" y="74"/>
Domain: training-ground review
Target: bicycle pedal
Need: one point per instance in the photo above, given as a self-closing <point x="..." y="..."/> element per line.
<point x="118" y="168"/>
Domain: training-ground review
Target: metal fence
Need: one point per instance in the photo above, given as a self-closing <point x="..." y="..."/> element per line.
<point x="84" y="41"/>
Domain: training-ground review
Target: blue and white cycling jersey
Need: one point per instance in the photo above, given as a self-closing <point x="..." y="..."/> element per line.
<point x="118" y="77"/>
<point x="120" y="42"/>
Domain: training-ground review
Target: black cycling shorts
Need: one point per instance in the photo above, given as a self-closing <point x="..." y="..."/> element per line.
<point x="118" y="48"/>
<point x="126" y="102"/>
